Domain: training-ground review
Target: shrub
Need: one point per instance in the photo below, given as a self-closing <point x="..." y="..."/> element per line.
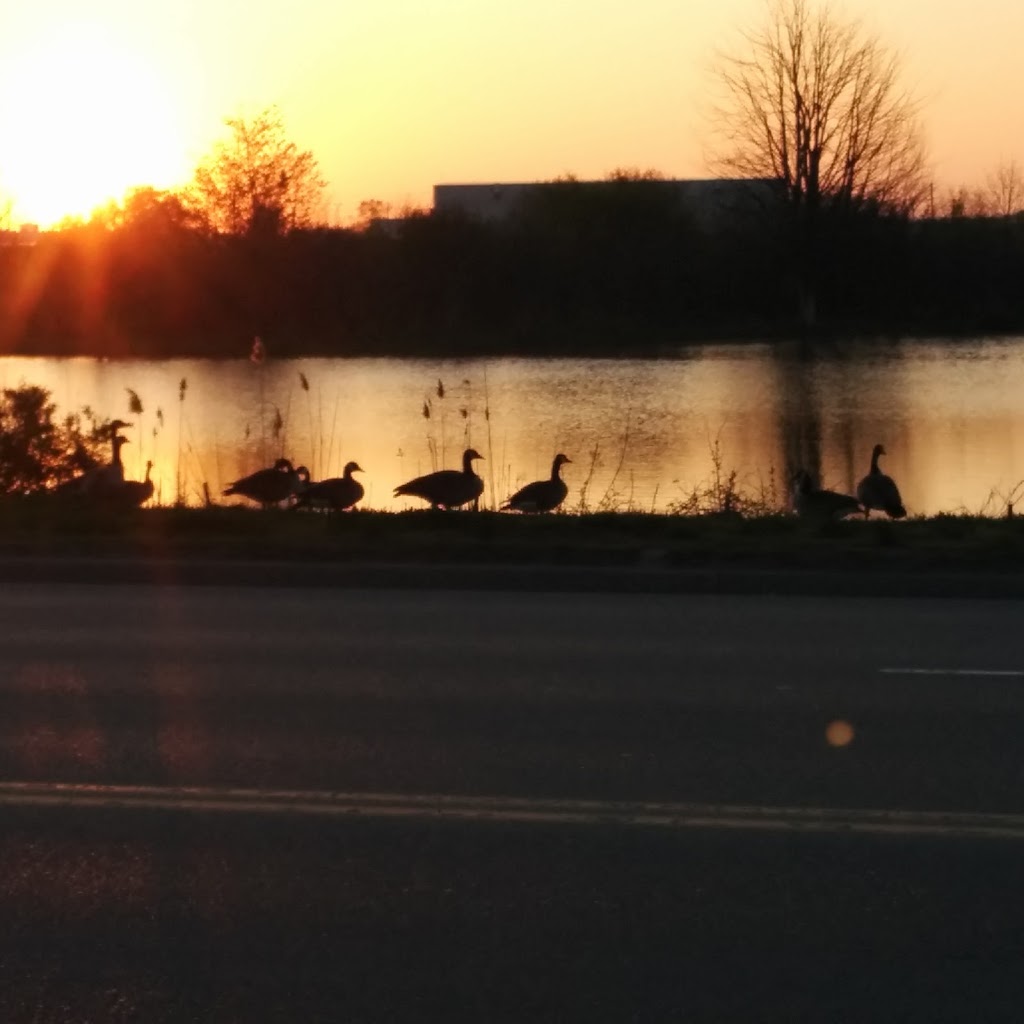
<point x="36" y="451"/>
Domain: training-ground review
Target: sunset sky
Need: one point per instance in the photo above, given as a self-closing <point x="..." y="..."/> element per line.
<point x="395" y="95"/>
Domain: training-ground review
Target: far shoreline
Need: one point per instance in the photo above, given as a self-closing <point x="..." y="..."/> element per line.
<point x="554" y="343"/>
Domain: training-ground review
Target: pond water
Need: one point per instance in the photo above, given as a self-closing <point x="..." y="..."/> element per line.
<point x="640" y="432"/>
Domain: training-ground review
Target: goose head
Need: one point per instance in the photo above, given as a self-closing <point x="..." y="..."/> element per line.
<point x="302" y="473"/>
<point x="284" y="466"/>
<point x="560" y="461"/>
<point x="468" y="456"/>
<point x="352" y="467"/>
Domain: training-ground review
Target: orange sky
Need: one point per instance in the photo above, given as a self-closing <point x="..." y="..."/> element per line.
<point x="395" y="95"/>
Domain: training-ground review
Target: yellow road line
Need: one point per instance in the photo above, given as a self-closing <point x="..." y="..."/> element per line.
<point x="452" y="807"/>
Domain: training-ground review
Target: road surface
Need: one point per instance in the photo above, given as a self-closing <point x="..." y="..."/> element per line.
<point x="272" y="804"/>
<point x="584" y="696"/>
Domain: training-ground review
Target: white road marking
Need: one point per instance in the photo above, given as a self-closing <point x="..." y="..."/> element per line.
<point x="451" y="807"/>
<point x="994" y="673"/>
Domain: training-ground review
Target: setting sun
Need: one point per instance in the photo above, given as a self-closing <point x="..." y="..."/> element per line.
<point x="83" y="120"/>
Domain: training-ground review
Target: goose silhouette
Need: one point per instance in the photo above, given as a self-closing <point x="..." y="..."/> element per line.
<point x="336" y="493"/>
<point x="879" y="491"/>
<point x="269" y="486"/>
<point x="812" y="502"/>
<point x="99" y="479"/>
<point x="541" y="495"/>
<point x="137" y="492"/>
<point x="447" y="488"/>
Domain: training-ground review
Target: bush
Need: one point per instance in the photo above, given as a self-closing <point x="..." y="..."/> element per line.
<point x="37" y="452"/>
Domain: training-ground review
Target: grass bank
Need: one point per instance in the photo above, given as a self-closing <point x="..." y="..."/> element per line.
<point x="31" y="527"/>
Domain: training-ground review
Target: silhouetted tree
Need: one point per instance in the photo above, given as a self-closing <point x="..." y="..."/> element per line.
<point x="157" y="210"/>
<point x="1006" y="189"/>
<point x="257" y="181"/>
<point x="371" y="210"/>
<point x="36" y="451"/>
<point x="967" y="202"/>
<point x="814" y="101"/>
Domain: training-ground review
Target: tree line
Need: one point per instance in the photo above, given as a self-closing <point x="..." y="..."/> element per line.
<point x="854" y="241"/>
<point x="616" y="270"/>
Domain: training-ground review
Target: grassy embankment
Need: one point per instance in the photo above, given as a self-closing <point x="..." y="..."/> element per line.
<point x="39" y="528"/>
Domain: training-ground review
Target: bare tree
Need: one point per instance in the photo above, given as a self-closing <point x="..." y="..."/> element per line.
<point x="257" y="181"/>
<point x="1005" y="189"/>
<point x="815" y="102"/>
<point x="968" y="202"/>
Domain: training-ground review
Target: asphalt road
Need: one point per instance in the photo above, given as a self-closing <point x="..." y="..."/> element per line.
<point x="300" y="804"/>
<point x="627" y="697"/>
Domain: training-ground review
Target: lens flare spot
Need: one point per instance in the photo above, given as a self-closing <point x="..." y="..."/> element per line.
<point x="839" y="733"/>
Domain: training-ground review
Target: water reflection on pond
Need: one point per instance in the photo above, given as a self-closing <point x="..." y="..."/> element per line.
<point x="951" y="416"/>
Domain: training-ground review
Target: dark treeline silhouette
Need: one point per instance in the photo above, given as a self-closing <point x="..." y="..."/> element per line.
<point x="616" y="267"/>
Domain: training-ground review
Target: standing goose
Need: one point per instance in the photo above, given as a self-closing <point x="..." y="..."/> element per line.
<point x="269" y="486"/>
<point x="337" y="493"/>
<point x="541" y="495"/>
<point x="812" y="502"/>
<point x="879" y="491"/>
<point x="133" y="493"/>
<point x="101" y="480"/>
<point x="112" y="475"/>
<point x="447" y="488"/>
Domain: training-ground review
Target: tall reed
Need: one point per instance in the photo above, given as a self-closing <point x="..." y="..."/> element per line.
<point x="179" y="482"/>
<point x="258" y="357"/>
<point x="135" y="409"/>
<point x="490" y="440"/>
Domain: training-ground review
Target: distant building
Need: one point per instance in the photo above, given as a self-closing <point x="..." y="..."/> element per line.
<point x="710" y="202"/>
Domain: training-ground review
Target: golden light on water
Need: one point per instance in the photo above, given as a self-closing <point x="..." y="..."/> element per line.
<point x="948" y="414"/>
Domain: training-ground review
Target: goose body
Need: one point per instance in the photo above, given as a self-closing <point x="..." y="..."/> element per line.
<point x="879" y="491"/>
<point x="447" y="488"/>
<point x="111" y="475"/>
<point x="541" y="495"/>
<point x="812" y="502"/>
<point x="99" y="479"/>
<point x="133" y="493"/>
<point x="337" y="493"/>
<point x="269" y="486"/>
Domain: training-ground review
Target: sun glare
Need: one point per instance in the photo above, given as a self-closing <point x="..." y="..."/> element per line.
<point x="83" y="119"/>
